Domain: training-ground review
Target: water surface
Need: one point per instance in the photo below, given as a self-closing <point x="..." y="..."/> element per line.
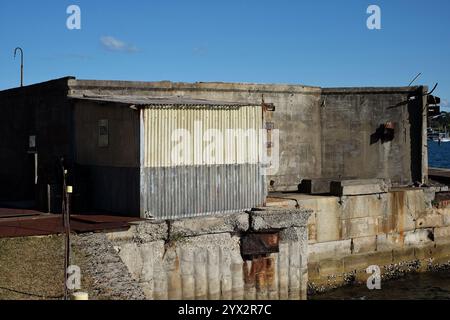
<point x="439" y="155"/>
<point x="420" y="286"/>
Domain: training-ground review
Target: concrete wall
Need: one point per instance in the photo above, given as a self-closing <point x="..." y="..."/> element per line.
<point x="108" y="177"/>
<point x="400" y="231"/>
<point x="41" y="110"/>
<point x="351" y="148"/>
<point x="324" y="133"/>
<point x="201" y="258"/>
<point x="124" y="135"/>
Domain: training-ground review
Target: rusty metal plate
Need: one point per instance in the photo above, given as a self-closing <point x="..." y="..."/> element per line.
<point x="48" y="225"/>
<point x="103" y="219"/>
<point x="12" y="213"/>
<point x="260" y="244"/>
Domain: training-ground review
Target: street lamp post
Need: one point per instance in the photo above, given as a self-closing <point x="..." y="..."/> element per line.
<point x="21" y="63"/>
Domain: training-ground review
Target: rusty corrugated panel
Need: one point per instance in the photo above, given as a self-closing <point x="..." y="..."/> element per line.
<point x="228" y="180"/>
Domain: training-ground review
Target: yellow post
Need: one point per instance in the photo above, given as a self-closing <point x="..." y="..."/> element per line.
<point x="80" y="296"/>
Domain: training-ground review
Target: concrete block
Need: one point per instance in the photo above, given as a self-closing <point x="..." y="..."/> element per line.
<point x="389" y="242"/>
<point x="441" y="254"/>
<point x="329" y="267"/>
<point x="313" y="271"/>
<point x="445" y="216"/>
<point x="326" y="250"/>
<point x="364" y="245"/>
<point x="402" y="210"/>
<point x="432" y="220"/>
<point x="421" y="237"/>
<point x="130" y="254"/>
<point x="386" y="224"/>
<point x="416" y="202"/>
<point x="361" y="262"/>
<point x="358" y="187"/>
<point x="362" y="227"/>
<point x="148" y="231"/>
<point x="294" y="234"/>
<point x="403" y="255"/>
<point x="424" y="252"/>
<point x="364" y="206"/>
<point x="315" y="186"/>
<point x="442" y="235"/>
<point x="279" y="218"/>
<point x="210" y="225"/>
<point x="324" y="221"/>
<point x="433" y="255"/>
<point x="312" y="228"/>
<point x="280" y="202"/>
<point x="328" y="227"/>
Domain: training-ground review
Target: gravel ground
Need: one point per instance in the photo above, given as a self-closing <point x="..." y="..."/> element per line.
<point x="109" y="277"/>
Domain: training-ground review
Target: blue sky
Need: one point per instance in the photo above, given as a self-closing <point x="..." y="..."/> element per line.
<point x="321" y="43"/>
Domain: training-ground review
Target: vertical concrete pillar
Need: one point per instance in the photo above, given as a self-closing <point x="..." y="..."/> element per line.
<point x="187" y="273"/>
<point x="283" y="271"/>
<point x="148" y="256"/>
<point x="237" y="281"/>
<point x="213" y="274"/>
<point x="173" y="275"/>
<point x="201" y="279"/>
<point x="237" y="274"/>
<point x="294" y="271"/>
<point x="272" y="277"/>
<point x="160" y="291"/>
<point x="226" y="281"/>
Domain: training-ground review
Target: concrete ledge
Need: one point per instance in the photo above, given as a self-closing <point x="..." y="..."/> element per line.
<point x="210" y="225"/>
<point x="325" y="250"/>
<point x="143" y="231"/>
<point x="358" y="187"/>
<point x="279" y="219"/>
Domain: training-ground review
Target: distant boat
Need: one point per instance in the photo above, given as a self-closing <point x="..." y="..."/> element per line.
<point x="440" y="137"/>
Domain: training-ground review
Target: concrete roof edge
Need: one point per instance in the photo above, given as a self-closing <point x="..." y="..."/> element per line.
<point x="145" y="101"/>
<point x="38" y="85"/>
<point x="168" y="85"/>
<point x="374" y="90"/>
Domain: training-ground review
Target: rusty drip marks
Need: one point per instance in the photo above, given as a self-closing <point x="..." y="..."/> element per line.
<point x="260" y="274"/>
<point x="398" y="213"/>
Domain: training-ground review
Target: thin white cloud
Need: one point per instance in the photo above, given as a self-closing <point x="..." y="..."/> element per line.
<point x="113" y="44"/>
<point x="200" y="50"/>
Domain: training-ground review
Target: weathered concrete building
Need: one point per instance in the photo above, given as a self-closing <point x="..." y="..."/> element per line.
<point x="353" y="152"/>
<point x="325" y="134"/>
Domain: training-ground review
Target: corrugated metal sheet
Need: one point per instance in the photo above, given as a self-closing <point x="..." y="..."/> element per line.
<point x="200" y="185"/>
<point x="176" y="192"/>
<point x="161" y="136"/>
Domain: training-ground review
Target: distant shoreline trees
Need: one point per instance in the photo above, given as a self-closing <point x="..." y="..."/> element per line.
<point x="442" y="122"/>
